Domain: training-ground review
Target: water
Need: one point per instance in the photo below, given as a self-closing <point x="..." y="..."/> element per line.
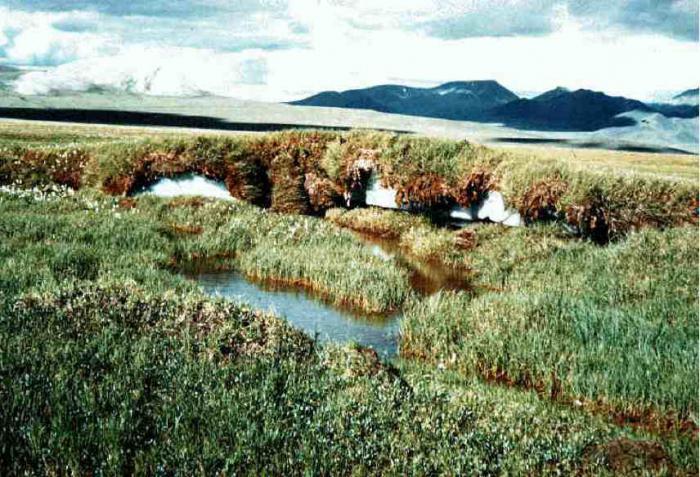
<point x="306" y="312"/>
<point x="426" y="278"/>
<point x="324" y="321"/>
<point x="301" y="309"/>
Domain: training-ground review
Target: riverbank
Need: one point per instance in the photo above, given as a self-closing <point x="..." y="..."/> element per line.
<point x="543" y="366"/>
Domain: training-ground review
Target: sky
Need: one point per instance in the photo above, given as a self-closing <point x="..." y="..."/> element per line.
<point x="280" y="50"/>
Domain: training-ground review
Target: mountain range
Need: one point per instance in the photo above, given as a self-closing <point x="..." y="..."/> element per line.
<point x="488" y="101"/>
<point x="455" y="100"/>
<point x="689" y="96"/>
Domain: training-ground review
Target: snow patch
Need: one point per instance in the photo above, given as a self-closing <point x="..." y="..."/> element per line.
<point x="653" y="130"/>
<point x="188" y="185"/>
<point x="492" y="208"/>
<point x="380" y="196"/>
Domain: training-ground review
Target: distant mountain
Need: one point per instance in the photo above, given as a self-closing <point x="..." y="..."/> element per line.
<point x="675" y="110"/>
<point x="559" y="109"/>
<point x="564" y="110"/>
<point x="683" y="105"/>
<point x="689" y="96"/>
<point x="551" y="94"/>
<point x="460" y="100"/>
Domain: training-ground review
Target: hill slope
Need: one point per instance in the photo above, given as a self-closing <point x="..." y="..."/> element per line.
<point x="454" y="100"/>
<point x="560" y="109"/>
<point x="689" y="96"/>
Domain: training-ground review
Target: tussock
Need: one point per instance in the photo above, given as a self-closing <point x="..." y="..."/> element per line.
<point x="311" y="172"/>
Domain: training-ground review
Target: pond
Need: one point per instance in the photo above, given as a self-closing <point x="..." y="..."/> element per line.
<point x="304" y="310"/>
<point x="324" y="321"/>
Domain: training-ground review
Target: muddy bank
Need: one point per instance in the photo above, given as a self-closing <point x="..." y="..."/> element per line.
<point x="427" y="277"/>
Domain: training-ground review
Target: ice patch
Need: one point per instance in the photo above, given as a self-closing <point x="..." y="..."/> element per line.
<point x="189" y="184"/>
<point x="460" y="213"/>
<point x="379" y="196"/>
<point x="493" y="208"/>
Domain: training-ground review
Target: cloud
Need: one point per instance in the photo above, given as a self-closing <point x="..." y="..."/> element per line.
<point x="499" y="18"/>
<point x="281" y="50"/>
<point x="455" y="19"/>
<point x="157" y="71"/>
<point x="673" y="18"/>
<point x="153" y="8"/>
<point x="38" y="39"/>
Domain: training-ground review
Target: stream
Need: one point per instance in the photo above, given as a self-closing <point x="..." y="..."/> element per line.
<point x="302" y="309"/>
<point x="324" y="321"/>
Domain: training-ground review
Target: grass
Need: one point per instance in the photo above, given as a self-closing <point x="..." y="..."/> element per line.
<point x="375" y="221"/>
<point x="415" y="234"/>
<point x="660" y="166"/>
<point x="615" y="327"/>
<point x="567" y="357"/>
<point x="181" y="384"/>
<point x="114" y="236"/>
<point x="311" y="172"/>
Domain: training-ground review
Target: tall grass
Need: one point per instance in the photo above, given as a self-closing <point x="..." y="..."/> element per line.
<point x="614" y="327"/>
<point x="96" y="235"/>
<point x="311" y="172"/>
<point x="126" y="381"/>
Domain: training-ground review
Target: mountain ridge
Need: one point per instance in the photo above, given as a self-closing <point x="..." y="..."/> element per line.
<point x="451" y="100"/>
<point x="559" y="109"/>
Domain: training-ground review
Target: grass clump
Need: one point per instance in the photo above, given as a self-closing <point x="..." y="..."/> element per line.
<point x="375" y="222"/>
<point x="311" y="172"/>
<point x="616" y="339"/>
<point x="415" y="234"/>
<point x="431" y="244"/>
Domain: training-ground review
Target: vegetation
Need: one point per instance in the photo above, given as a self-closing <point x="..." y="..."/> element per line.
<point x="180" y="384"/>
<point x="567" y="357"/>
<point x="617" y="335"/>
<point x="376" y="222"/>
<point x="311" y="172"/>
<point x="110" y="236"/>
<point x="415" y="234"/>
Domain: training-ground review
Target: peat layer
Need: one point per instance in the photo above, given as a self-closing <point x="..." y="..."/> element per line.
<point x="311" y="172"/>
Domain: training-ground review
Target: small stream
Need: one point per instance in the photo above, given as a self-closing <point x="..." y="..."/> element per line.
<point x="324" y="321"/>
<point x="304" y="310"/>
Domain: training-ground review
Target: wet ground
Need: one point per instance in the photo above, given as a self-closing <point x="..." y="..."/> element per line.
<point x="324" y="321"/>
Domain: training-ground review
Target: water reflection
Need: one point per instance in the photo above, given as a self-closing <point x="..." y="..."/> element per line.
<point x="307" y="313"/>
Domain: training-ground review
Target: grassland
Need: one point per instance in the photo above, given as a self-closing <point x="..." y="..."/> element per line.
<point x="617" y="335"/>
<point x="568" y="357"/>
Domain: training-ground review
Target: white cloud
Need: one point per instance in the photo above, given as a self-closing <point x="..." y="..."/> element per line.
<point x="157" y="71"/>
<point x="342" y="54"/>
<point x="34" y="38"/>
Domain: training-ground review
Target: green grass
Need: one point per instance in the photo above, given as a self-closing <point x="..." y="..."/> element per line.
<point x="615" y="327"/>
<point x="126" y="381"/>
<point x="415" y="234"/>
<point x="376" y="222"/>
<point x="112" y="363"/>
<point x="149" y="235"/>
